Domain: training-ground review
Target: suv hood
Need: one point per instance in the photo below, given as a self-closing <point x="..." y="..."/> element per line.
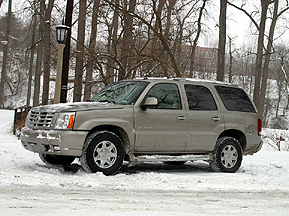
<point x="78" y="106"/>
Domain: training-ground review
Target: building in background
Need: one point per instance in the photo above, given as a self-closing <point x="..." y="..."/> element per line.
<point x="206" y="58"/>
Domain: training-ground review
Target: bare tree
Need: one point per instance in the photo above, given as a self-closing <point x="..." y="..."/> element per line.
<point x="5" y="53"/>
<point x="230" y="73"/>
<point x="268" y="53"/>
<point x="39" y="53"/>
<point x="158" y="34"/>
<point x="195" y="41"/>
<point x="47" y="53"/>
<point x="127" y="40"/>
<point x="79" y="52"/>
<point x="112" y="41"/>
<point x="31" y="60"/>
<point x="259" y="55"/>
<point x="222" y="40"/>
<point x="91" y="55"/>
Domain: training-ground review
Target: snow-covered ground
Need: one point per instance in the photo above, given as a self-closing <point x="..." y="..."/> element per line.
<point x="29" y="187"/>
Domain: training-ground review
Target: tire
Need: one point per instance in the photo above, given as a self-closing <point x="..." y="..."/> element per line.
<point x="56" y="160"/>
<point x="227" y="155"/>
<point x="103" y="151"/>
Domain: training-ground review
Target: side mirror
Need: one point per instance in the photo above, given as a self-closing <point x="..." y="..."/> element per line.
<point x="149" y="102"/>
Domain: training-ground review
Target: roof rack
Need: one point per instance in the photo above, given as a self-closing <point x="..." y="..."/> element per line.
<point x="184" y="79"/>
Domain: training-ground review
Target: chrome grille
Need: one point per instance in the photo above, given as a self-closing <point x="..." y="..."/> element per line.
<point x="40" y="118"/>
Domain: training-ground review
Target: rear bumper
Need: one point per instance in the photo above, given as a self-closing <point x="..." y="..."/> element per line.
<point x="54" y="142"/>
<point x="254" y="149"/>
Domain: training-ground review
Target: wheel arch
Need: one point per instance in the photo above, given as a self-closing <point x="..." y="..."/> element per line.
<point x="120" y="132"/>
<point x="237" y="134"/>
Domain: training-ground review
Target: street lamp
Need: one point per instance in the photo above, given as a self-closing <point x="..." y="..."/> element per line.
<point x="61" y="35"/>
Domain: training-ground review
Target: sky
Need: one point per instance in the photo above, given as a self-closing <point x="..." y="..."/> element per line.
<point x="16" y="6"/>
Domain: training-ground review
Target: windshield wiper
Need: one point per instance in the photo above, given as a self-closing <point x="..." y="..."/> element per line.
<point x="105" y="100"/>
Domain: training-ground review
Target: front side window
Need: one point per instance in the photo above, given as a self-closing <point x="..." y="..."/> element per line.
<point x="200" y="98"/>
<point x="235" y="99"/>
<point x="167" y="94"/>
<point x="125" y="92"/>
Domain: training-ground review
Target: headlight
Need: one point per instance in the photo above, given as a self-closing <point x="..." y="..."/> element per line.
<point x="64" y="121"/>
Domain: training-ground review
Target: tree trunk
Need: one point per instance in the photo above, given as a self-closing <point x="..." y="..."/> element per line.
<point x="259" y="57"/>
<point x="231" y="60"/>
<point x="155" y="48"/>
<point x="91" y="57"/>
<point x="280" y="88"/>
<point x="31" y="60"/>
<point x="195" y="42"/>
<point x="5" y="54"/>
<point x="164" y="58"/>
<point x="79" y="52"/>
<point x="112" y="43"/>
<point x="267" y="58"/>
<point x="222" y="40"/>
<point x="47" y="53"/>
<point x="127" y="47"/>
<point x="39" y="59"/>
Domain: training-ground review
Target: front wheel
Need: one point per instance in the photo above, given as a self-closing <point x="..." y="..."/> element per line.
<point x="103" y="151"/>
<point x="227" y="155"/>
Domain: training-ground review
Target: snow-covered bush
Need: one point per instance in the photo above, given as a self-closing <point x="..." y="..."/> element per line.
<point x="276" y="139"/>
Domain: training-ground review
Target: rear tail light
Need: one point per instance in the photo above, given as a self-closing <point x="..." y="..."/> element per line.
<point x="259" y="127"/>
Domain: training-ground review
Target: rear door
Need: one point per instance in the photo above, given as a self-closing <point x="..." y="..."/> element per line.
<point x="205" y="119"/>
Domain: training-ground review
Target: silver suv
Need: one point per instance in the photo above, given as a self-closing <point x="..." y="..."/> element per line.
<point x="140" y="120"/>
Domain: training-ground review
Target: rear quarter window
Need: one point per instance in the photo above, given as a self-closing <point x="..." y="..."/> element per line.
<point x="235" y="99"/>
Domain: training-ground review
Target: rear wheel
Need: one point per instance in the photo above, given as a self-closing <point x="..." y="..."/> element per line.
<point x="227" y="155"/>
<point x="103" y="151"/>
<point x="56" y="160"/>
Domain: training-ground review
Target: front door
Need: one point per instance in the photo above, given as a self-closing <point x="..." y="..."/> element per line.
<point x="164" y="127"/>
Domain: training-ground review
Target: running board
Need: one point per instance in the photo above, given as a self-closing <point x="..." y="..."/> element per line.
<point x="161" y="158"/>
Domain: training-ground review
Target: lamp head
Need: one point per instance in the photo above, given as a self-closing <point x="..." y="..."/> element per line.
<point x="61" y="33"/>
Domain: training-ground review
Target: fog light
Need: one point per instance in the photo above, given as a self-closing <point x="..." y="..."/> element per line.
<point x="46" y="148"/>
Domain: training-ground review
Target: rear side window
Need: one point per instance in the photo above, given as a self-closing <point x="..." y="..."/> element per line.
<point x="235" y="99"/>
<point x="200" y="98"/>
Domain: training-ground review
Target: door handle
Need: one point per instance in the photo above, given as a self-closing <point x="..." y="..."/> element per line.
<point x="181" y="118"/>
<point x="215" y="119"/>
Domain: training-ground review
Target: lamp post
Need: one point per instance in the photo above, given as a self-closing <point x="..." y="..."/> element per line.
<point x="61" y="35"/>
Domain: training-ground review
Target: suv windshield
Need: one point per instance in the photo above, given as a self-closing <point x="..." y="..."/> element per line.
<point x="125" y="92"/>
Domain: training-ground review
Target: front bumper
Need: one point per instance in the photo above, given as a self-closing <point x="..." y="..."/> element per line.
<point x="54" y="142"/>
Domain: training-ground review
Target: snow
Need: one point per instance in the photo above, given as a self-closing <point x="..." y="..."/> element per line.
<point x="29" y="187"/>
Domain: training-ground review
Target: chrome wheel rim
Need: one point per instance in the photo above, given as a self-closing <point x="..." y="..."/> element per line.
<point x="229" y="156"/>
<point x="105" y="154"/>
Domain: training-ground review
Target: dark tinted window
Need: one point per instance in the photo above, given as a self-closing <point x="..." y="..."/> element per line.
<point x="235" y="99"/>
<point x="200" y="98"/>
<point x="167" y="94"/>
